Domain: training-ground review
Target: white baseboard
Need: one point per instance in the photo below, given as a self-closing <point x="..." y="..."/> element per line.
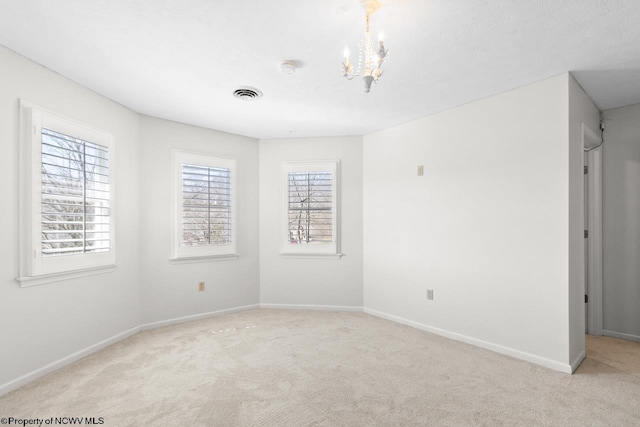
<point x="552" y="364"/>
<point x="312" y="307"/>
<point x="61" y="363"/>
<point x="169" y="322"/>
<point x="548" y="363"/>
<point x="578" y="360"/>
<point x="621" y="335"/>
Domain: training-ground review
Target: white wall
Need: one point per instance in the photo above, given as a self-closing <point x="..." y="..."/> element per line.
<point x="325" y="282"/>
<point x="621" y="222"/>
<point x="486" y="227"/>
<point x="42" y="324"/>
<point x="581" y="111"/>
<point x="170" y="290"/>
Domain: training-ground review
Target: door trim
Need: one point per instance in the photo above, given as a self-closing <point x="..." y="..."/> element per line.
<point x="591" y="139"/>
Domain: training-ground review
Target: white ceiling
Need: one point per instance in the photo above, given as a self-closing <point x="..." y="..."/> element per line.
<point x="182" y="59"/>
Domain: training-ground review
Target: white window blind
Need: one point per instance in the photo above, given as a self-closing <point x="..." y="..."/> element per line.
<point x="310" y="207"/>
<point x="75" y="199"/>
<point x="204" y="208"/>
<point x="206" y="205"/>
<point x="311" y="215"/>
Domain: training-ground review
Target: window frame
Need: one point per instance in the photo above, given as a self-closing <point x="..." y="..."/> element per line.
<point x="200" y="253"/>
<point x="330" y="250"/>
<point x="36" y="269"/>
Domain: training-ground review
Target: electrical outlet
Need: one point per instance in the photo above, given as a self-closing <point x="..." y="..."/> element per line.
<point x="430" y="294"/>
<point x="420" y="170"/>
<point x="201" y="287"/>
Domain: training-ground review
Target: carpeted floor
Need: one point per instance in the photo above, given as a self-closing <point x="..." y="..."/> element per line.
<point x="315" y="368"/>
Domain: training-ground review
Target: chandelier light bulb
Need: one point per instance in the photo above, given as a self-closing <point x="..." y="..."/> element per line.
<point x="346" y="52"/>
<point x="381" y="37"/>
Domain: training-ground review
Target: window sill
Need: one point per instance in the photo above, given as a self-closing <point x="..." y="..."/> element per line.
<point x="208" y="258"/>
<point x="27" y="281"/>
<point x="310" y="255"/>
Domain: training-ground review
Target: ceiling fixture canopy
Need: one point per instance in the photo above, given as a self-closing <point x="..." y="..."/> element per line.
<point x="372" y="57"/>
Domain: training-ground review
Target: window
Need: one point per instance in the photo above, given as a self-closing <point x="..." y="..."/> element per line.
<point x="66" y="189"/>
<point x="74" y="195"/>
<point x="311" y="208"/>
<point x="204" y="224"/>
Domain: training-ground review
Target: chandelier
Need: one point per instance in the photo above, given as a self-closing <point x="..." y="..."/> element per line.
<point x="370" y="59"/>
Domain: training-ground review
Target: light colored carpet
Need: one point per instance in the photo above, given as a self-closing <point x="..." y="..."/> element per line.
<point x="314" y="368"/>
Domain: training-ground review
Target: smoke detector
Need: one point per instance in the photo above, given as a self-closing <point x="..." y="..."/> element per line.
<point x="288" y="67"/>
<point x="247" y="93"/>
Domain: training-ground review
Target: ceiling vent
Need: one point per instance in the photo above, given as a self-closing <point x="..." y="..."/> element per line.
<point x="247" y="93"/>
